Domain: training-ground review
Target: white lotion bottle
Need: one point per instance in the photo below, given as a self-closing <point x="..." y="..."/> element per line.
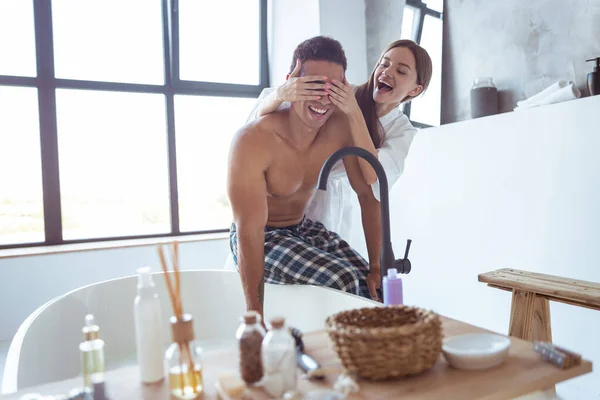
<point x="148" y="329"/>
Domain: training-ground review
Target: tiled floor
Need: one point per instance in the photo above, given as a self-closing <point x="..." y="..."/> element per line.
<point x="3" y="350"/>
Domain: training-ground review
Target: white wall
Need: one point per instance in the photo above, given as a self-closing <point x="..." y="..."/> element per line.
<point x="291" y="22"/>
<point x="518" y="190"/>
<point x="344" y="20"/>
<point x="525" y="46"/>
<point x="364" y="28"/>
<point x="29" y="282"/>
<point x="384" y="25"/>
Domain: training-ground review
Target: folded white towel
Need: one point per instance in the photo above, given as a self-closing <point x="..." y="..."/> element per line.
<point x="536" y="98"/>
<point x="555" y="93"/>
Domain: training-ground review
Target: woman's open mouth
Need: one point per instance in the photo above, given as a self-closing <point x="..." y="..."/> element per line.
<point x="384" y="87"/>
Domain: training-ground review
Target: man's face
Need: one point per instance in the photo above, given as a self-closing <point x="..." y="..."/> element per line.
<point x="314" y="113"/>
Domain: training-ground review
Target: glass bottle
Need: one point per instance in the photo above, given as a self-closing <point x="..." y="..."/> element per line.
<point x="250" y="335"/>
<point x="279" y="359"/>
<point x="92" y="352"/>
<point x="184" y="360"/>
<point x="484" y="98"/>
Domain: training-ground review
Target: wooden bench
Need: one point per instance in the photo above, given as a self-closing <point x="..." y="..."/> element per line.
<point x="531" y="293"/>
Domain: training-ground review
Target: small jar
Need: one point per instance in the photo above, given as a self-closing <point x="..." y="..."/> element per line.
<point x="484" y="98"/>
<point x="250" y="335"/>
<point x="184" y="360"/>
<point x="279" y="359"/>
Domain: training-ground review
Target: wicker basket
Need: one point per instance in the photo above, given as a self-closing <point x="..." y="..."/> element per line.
<point x="386" y="342"/>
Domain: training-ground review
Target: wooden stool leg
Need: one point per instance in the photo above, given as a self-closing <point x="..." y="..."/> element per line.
<point x="540" y="326"/>
<point x="520" y="314"/>
<point x="530" y="317"/>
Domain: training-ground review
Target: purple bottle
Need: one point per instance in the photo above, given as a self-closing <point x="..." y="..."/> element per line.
<point x="392" y="288"/>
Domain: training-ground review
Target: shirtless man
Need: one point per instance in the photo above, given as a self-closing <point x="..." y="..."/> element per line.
<point x="274" y="165"/>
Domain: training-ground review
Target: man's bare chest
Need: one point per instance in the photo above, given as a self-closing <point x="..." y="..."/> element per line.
<point x="292" y="171"/>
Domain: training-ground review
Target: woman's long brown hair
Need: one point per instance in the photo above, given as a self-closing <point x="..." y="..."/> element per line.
<point x="364" y="92"/>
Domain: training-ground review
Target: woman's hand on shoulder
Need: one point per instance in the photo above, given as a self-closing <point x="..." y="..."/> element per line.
<point x="301" y="88"/>
<point x="341" y="95"/>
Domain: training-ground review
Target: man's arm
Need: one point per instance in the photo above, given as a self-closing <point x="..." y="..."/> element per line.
<point x="371" y="220"/>
<point x="247" y="190"/>
<point x="270" y="103"/>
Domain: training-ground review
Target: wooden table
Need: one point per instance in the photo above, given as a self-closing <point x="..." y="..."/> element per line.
<point x="522" y="373"/>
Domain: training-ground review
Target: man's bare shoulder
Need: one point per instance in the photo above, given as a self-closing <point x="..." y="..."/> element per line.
<point x="273" y="121"/>
<point x="259" y="132"/>
<point x="254" y="133"/>
<point x="254" y="144"/>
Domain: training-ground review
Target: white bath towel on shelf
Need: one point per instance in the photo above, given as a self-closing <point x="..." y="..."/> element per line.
<point x="555" y="93"/>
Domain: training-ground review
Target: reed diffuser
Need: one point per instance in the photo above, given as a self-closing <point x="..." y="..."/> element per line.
<point x="184" y="356"/>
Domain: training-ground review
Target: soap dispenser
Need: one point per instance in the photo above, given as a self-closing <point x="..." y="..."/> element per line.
<point x="593" y="78"/>
<point x="392" y="288"/>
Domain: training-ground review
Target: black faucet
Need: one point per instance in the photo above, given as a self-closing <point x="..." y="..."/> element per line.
<point x="387" y="254"/>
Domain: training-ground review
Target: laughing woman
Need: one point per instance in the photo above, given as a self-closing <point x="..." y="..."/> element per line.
<point x="377" y="124"/>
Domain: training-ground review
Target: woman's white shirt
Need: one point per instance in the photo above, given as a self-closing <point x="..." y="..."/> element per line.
<point x="334" y="207"/>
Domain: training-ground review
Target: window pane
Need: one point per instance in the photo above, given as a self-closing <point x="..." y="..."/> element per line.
<point x="408" y="18"/>
<point x="426" y="109"/>
<point x="205" y="126"/>
<point x="113" y="164"/>
<point x="21" y="206"/>
<point x="110" y="40"/>
<point x="219" y="41"/>
<point x="17" y="38"/>
<point x="436" y="5"/>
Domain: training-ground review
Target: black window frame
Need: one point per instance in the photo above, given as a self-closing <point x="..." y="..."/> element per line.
<point x="422" y="10"/>
<point x="46" y="84"/>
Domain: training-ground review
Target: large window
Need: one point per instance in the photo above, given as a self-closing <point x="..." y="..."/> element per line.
<point x="422" y="22"/>
<point x="108" y="40"/>
<point x="21" y="209"/>
<point x="201" y="167"/>
<point x="116" y="117"/>
<point x="17" y="42"/>
<point x="114" y="178"/>
<point x="232" y="52"/>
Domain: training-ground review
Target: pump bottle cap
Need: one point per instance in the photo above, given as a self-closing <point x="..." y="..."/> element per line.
<point x="91" y="331"/>
<point x="145" y="278"/>
<point x="597" y="59"/>
<point x="392" y="273"/>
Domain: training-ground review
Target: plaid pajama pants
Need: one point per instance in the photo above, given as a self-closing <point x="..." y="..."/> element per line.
<point x="310" y="254"/>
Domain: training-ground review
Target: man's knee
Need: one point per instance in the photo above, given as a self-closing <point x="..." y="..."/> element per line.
<point x="344" y="276"/>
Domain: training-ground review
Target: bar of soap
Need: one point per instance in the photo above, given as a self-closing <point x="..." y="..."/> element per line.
<point x="231" y="383"/>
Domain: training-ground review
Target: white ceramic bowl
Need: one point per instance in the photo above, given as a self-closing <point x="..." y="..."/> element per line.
<point x="475" y="350"/>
